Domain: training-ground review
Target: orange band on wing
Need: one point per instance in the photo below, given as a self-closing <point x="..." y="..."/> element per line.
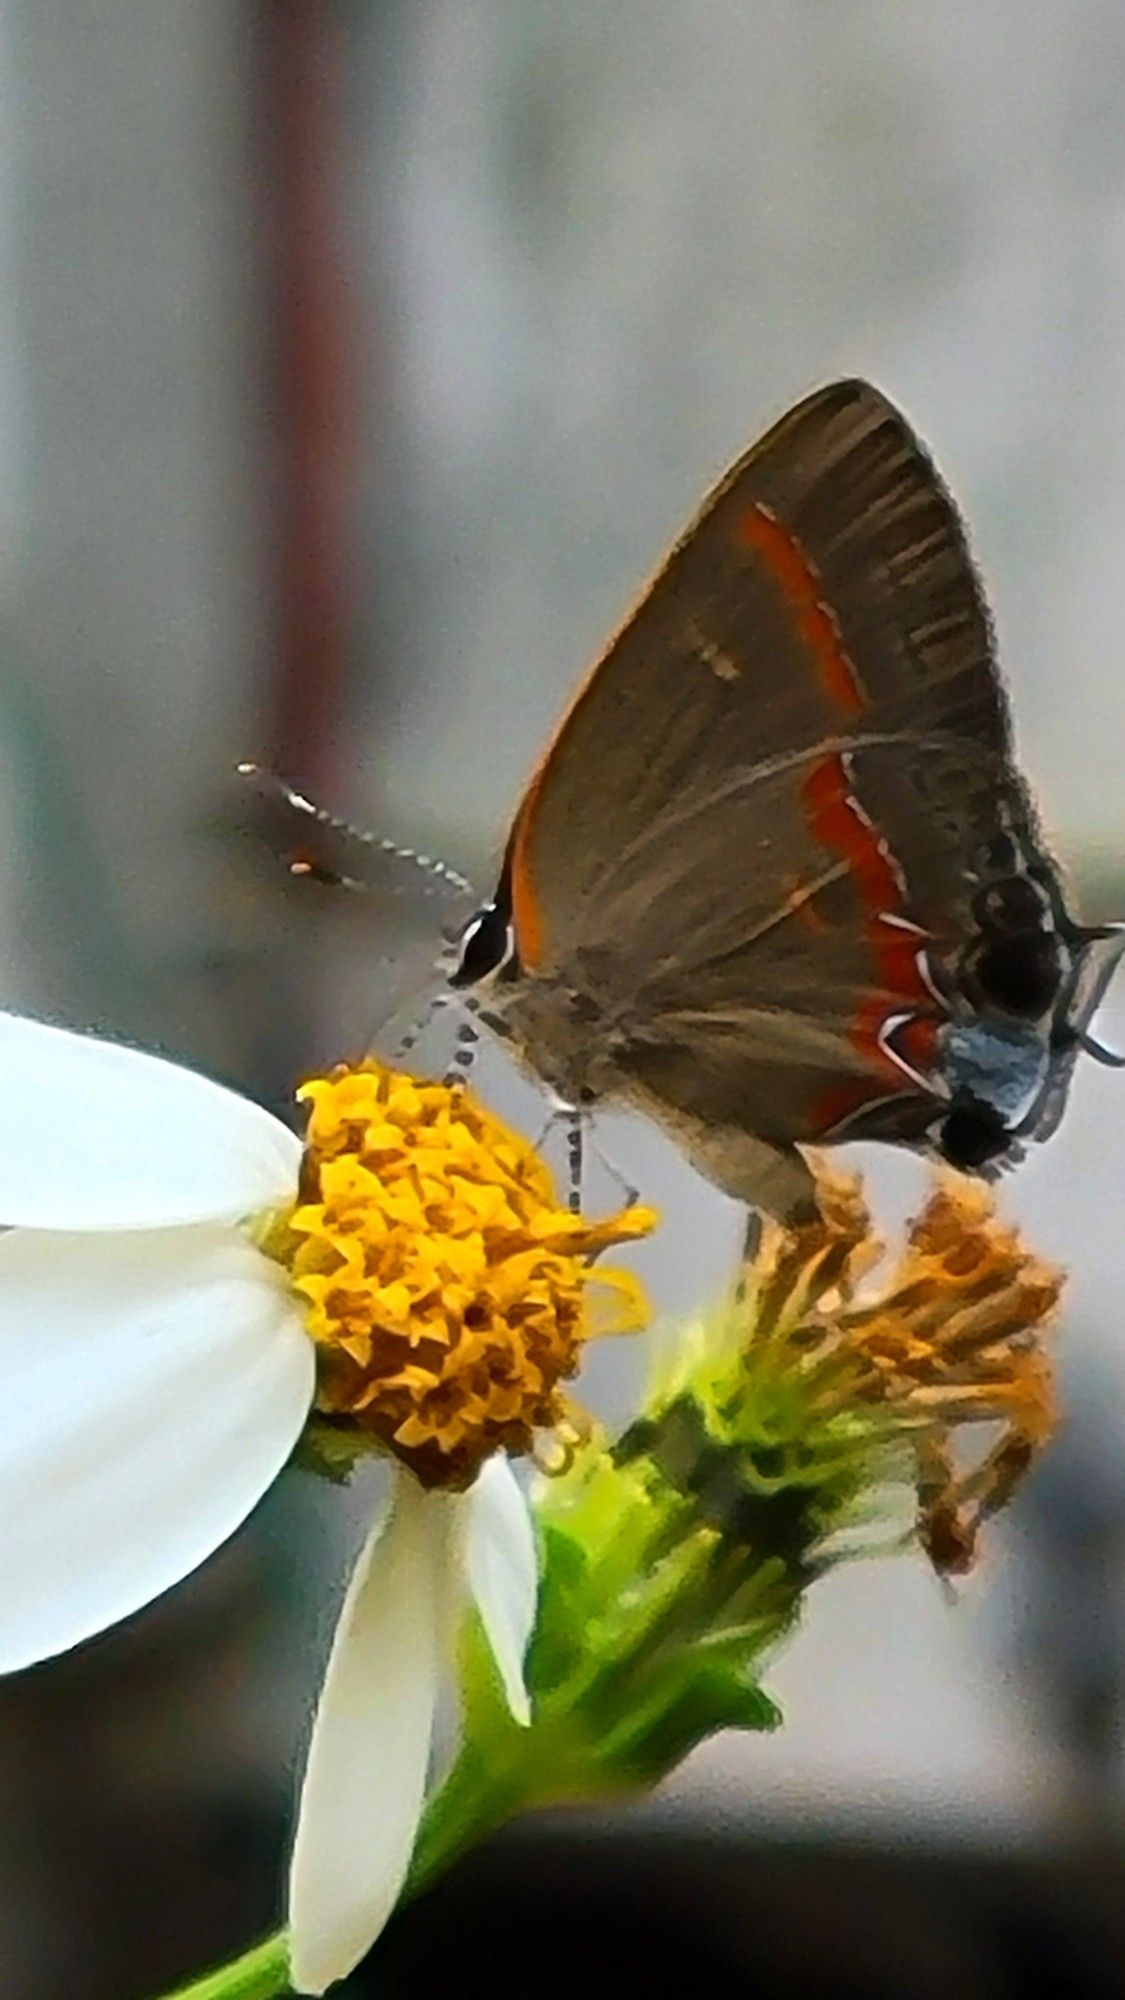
<point x="838" y="824"/>
<point x="841" y="825"/>
<point x="527" y="917"/>
<point x="843" y="1101"/>
<point x="789" y="565"/>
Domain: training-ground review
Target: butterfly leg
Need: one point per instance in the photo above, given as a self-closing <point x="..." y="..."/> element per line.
<point x="583" y="1142"/>
<point x="465" y="1052"/>
<point x="751" y="1244"/>
<point x="574" y="1159"/>
<point x="629" y="1194"/>
<point x="417" y="1028"/>
<point x="580" y="1144"/>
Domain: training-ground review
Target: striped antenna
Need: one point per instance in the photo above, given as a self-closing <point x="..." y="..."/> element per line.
<point x="270" y="786"/>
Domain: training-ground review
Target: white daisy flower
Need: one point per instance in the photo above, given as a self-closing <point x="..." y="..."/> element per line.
<point x="182" y="1282"/>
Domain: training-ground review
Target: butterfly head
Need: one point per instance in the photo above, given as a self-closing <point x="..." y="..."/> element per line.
<point x="1029" y="991"/>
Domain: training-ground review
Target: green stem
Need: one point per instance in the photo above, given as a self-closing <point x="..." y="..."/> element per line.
<point x="260" y="1974"/>
<point x="611" y="1715"/>
<point x="470" y="1805"/>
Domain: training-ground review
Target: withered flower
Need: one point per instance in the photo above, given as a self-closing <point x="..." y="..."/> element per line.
<point x="952" y="1336"/>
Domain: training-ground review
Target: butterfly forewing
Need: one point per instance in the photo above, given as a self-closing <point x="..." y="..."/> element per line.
<point x="823" y="592"/>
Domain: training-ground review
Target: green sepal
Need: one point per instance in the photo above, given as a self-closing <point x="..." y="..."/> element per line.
<point x="672" y="1563"/>
<point x="689" y="1701"/>
<point x="621" y="1688"/>
<point x="331" y="1450"/>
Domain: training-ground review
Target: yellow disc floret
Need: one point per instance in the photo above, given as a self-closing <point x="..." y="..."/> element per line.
<point x="448" y="1293"/>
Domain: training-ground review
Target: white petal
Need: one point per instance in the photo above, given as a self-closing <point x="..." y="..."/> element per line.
<point x="151" y="1387"/>
<point x="96" y="1136"/>
<point x="366" y="1772"/>
<point x="503" y="1573"/>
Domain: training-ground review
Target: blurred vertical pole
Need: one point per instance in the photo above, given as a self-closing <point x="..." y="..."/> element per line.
<point x="310" y="352"/>
<point x="302" y="49"/>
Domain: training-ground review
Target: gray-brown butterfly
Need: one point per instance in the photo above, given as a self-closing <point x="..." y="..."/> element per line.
<point x="777" y="880"/>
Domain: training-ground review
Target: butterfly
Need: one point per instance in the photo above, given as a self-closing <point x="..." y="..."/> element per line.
<point x="777" y="881"/>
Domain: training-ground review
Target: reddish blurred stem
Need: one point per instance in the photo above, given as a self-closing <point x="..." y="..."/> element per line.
<point x="301" y="59"/>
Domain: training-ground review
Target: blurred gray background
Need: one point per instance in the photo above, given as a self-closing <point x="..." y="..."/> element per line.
<point x="356" y="362"/>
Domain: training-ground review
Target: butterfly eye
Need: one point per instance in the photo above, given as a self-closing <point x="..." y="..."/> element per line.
<point x="1016" y="904"/>
<point x="1020" y="974"/>
<point x="486" y="944"/>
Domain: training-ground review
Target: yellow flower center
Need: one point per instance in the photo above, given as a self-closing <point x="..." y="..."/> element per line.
<point x="448" y="1293"/>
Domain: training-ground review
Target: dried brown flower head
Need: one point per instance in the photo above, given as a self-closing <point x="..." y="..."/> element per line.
<point x="951" y="1336"/>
